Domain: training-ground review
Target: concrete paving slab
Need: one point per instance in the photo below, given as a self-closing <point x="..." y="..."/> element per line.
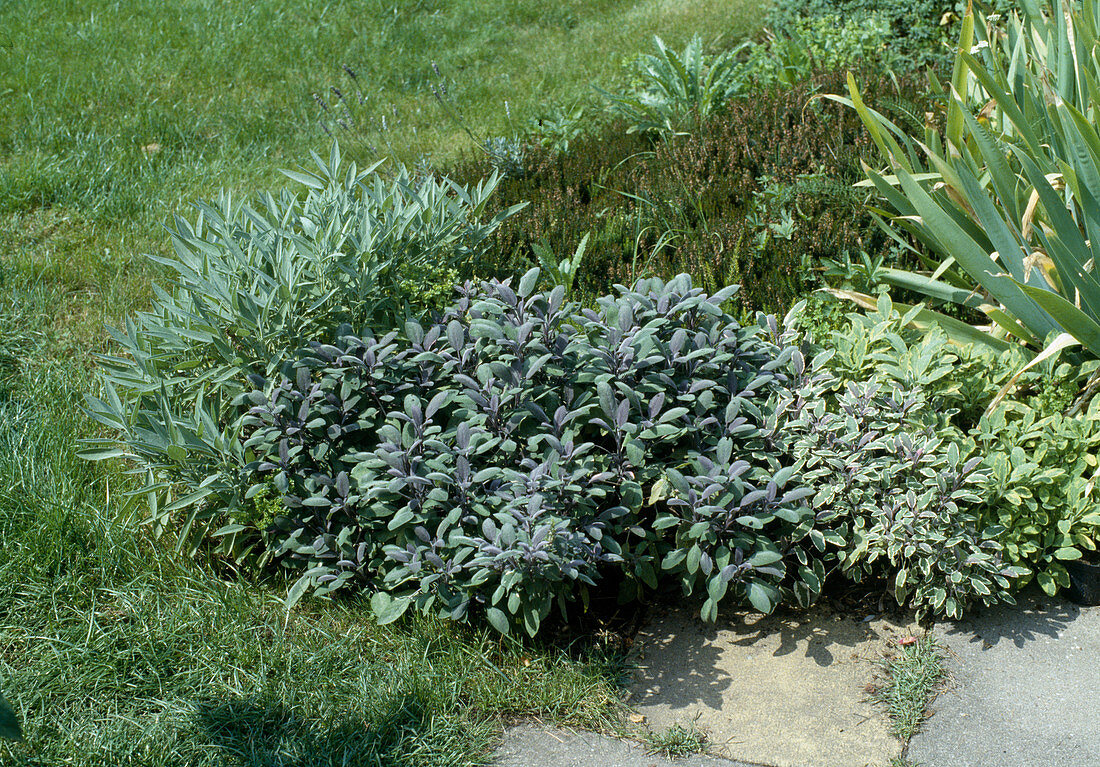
<point x="787" y="690"/>
<point x="1025" y="689"/>
<point x="534" y="746"/>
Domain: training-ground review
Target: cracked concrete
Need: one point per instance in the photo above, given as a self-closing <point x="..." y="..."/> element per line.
<point x="790" y="690"/>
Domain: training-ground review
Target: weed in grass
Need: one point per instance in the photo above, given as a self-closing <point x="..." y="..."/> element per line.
<point x="677" y="741"/>
<point x="910" y="681"/>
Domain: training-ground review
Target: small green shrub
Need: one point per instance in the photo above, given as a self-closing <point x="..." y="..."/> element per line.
<point x="558" y="126"/>
<point x="506" y="459"/>
<point x="670" y="87"/>
<point x="252" y="284"/>
<point x="897" y="486"/>
<point x="822" y="43"/>
<point x="506" y="155"/>
<point x="920" y="33"/>
<point x="1043" y="470"/>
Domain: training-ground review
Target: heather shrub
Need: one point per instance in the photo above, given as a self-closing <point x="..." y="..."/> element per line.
<point x="761" y="197"/>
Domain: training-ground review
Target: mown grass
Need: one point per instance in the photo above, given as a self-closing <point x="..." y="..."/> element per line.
<point x="116" y="114"/>
<point x="113" y="648"/>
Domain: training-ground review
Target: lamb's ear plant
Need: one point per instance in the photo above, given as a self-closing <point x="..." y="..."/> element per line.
<point x="253" y="282"/>
<point x="1005" y="192"/>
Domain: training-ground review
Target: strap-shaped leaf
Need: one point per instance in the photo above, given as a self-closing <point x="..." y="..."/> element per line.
<point x="930" y="287"/>
<point x="1073" y="320"/>
<point x="959" y="77"/>
<point x="953" y="240"/>
<point x="1063" y="341"/>
<point x="1066" y="245"/>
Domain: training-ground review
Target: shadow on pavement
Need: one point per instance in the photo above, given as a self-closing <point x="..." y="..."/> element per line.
<point x="1035" y="616"/>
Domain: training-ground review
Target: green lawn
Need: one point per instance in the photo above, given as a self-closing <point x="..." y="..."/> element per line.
<point x="118" y="653"/>
<point x="116" y="114"/>
<point x="114" y="649"/>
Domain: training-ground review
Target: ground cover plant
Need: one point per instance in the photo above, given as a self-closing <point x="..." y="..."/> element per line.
<point x="911" y="678"/>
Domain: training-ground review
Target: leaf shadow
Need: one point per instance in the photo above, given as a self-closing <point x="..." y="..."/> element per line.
<point x="1034" y="617"/>
<point x="689" y="663"/>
